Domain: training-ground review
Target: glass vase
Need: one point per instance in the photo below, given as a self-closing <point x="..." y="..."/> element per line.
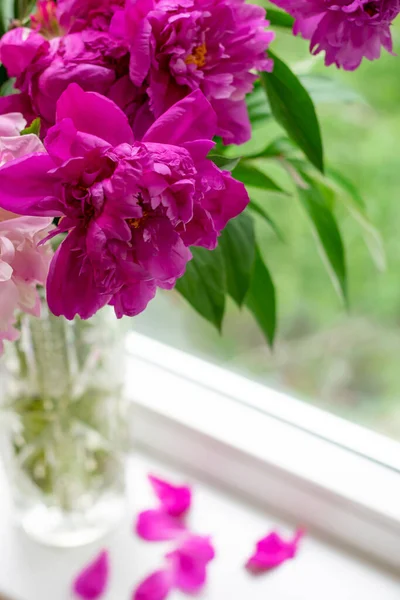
<point x="64" y="427"/>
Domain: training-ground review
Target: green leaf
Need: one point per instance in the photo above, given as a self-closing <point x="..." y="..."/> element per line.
<point x="254" y="177"/>
<point x="261" y="299"/>
<point x="348" y="194"/>
<point x="6" y="15"/>
<point x="278" y="18"/>
<point x="224" y="162"/>
<point x="238" y="247"/>
<point x="327" y="232"/>
<point x="204" y="284"/>
<point x="8" y="88"/>
<point x="259" y="210"/>
<point x="258" y="107"/>
<point x="34" y="128"/>
<point x="294" y="110"/>
<point x="280" y="147"/>
<point x="347" y="185"/>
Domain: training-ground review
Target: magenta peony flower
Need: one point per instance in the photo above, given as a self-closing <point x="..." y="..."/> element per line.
<point x="131" y="208"/>
<point x="45" y="67"/>
<point x="76" y="15"/>
<point x="144" y="55"/>
<point x="178" y="46"/>
<point x="347" y="30"/>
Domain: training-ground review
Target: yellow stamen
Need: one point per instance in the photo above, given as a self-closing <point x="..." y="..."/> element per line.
<point x="135" y="223"/>
<point x="198" y="56"/>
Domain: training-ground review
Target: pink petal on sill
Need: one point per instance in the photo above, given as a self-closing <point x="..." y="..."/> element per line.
<point x="175" y="500"/>
<point x="155" y="587"/>
<point x="189" y="562"/>
<point x="272" y="551"/>
<point x="158" y="526"/>
<point x="91" y="583"/>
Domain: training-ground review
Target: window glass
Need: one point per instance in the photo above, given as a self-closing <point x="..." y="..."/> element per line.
<point x="345" y="361"/>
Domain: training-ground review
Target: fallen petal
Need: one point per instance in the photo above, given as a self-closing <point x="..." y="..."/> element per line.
<point x="272" y="551"/>
<point x="175" y="500"/>
<point x="189" y="563"/>
<point x="158" y="526"/>
<point x="155" y="587"/>
<point x="92" y="581"/>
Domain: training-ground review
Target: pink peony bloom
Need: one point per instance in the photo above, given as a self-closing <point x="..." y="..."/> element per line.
<point x="131" y="208"/>
<point x="186" y="570"/>
<point x="76" y="15"/>
<point x="45" y="67"/>
<point x="346" y="30"/>
<point x="272" y="551"/>
<point x="91" y="583"/>
<point x="17" y="103"/>
<point x="214" y="45"/>
<point x="24" y="263"/>
<point x="144" y="55"/>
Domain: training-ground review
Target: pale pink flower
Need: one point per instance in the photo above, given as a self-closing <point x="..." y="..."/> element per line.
<point x="11" y="124"/>
<point x="24" y="263"/>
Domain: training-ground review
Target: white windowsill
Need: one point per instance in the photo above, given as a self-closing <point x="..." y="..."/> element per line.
<point x="197" y="415"/>
<point x="33" y="572"/>
<point x="284" y="476"/>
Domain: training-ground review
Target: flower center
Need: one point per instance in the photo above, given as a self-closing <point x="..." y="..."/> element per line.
<point x="135" y="223"/>
<point x="371" y="8"/>
<point x="45" y="19"/>
<point x="198" y="56"/>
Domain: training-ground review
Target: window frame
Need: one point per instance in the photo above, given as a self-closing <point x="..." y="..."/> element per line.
<point x="318" y="470"/>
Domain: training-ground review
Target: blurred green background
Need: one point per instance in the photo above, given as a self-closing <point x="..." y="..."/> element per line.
<point x="343" y="361"/>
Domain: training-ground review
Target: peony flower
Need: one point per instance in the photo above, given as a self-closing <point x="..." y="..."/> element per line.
<point x="24" y="263"/>
<point x="76" y="15"/>
<point x="17" y="103"/>
<point x="346" y="30"/>
<point x="144" y="55"/>
<point x="11" y="124"/>
<point x="131" y="208"/>
<point x="91" y="583"/>
<point x="186" y="570"/>
<point x="272" y="551"/>
<point x="44" y="19"/>
<point x="177" y="46"/>
<point x="45" y="67"/>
